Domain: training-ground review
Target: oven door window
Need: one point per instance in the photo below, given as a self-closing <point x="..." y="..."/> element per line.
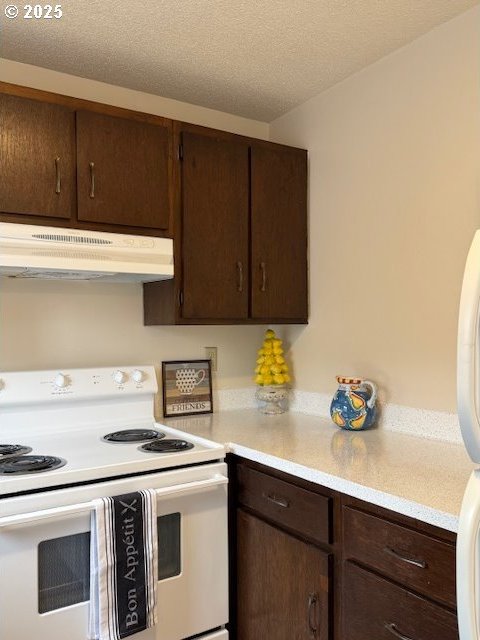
<point x="169" y="560"/>
<point x="64" y="564"/>
<point x="63" y="572"/>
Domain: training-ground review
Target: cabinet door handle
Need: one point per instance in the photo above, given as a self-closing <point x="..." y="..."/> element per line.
<point x="92" y="179"/>
<point x="240" y="277"/>
<point x="58" y="178"/>
<point x="392" y="628"/>
<point x="312" y="617"/>
<point x="421" y="564"/>
<point x="280" y="502"/>
<point x="263" y="268"/>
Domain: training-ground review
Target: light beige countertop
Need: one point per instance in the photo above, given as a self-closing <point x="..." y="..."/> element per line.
<point x="417" y="477"/>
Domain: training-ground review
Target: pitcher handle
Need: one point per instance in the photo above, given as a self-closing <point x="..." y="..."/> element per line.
<point x="373" y="397"/>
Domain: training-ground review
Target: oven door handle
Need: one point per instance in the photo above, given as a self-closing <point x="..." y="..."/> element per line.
<point x="84" y="507"/>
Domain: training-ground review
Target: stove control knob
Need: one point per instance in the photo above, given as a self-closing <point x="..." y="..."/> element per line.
<point x="120" y="377"/>
<point x="138" y="376"/>
<point x="61" y="381"/>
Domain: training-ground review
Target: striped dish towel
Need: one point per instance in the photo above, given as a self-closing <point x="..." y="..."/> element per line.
<point x="123" y="565"/>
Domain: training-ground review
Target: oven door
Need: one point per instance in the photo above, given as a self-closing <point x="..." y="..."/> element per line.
<point x="44" y="557"/>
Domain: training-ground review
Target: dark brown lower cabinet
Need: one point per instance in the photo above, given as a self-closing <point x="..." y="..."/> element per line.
<point x="309" y="563"/>
<point x="377" y="609"/>
<point x="282" y="584"/>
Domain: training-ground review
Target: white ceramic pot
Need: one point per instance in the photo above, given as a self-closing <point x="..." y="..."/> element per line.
<point x="273" y="399"/>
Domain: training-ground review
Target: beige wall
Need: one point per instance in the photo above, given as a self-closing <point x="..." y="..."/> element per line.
<point x="60" y="324"/>
<point x="80" y="324"/>
<point x="394" y="201"/>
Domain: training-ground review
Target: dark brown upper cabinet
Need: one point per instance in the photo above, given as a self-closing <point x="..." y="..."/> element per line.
<point x="279" y="233"/>
<point x="241" y="234"/>
<point x="215" y="251"/>
<point x="122" y="171"/>
<point x="235" y="206"/>
<point x="73" y="163"/>
<point x="37" y="159"/>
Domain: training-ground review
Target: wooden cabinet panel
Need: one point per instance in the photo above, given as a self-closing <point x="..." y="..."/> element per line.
<point x="376" y="609"/>
<point x="414" y="559"/>
<point x="279" y="232"/>
<point x="122" y="171"/>
<point x="298" y="509"/>
<point x="283" y="584"/>
<point x="241" y="233"/>
<point x="37" y="158"/>
<point x="214" y="227"/>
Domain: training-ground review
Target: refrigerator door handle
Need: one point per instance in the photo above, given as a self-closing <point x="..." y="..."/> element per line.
<point x="468" y="383"/>
<point x="468" y="561"/>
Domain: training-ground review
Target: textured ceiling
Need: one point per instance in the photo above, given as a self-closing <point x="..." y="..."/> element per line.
<point x="251" y="58"/>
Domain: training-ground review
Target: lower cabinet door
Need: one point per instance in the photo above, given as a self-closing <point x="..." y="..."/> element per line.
<point x="377" y="609"/>
<point x="282" y="584"/>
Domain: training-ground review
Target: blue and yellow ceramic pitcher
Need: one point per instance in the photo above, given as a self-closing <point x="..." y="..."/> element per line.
<point x="353" y="405"/>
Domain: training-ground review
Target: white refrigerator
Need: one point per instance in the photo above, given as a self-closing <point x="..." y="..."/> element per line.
<point x="468" y="405"/>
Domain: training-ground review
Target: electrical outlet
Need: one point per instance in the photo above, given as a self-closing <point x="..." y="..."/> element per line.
<point x="211" y="354"/>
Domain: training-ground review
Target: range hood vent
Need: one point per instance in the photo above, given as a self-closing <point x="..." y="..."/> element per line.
<point x="28" y="251"/>
<point x="56" y="237"/>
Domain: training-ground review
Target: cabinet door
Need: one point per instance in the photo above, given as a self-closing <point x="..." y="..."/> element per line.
<point x="279" y="233"/>
<point x="37" y="158"/>
<point x="214" y="228"/>
<point x="122" y="171"/>
<point x="282" y="584"/>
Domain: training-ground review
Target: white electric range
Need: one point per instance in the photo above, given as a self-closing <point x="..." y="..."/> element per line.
<point x="71" y="436"/>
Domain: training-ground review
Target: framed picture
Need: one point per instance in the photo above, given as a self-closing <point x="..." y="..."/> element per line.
<point x="187" y="387"/>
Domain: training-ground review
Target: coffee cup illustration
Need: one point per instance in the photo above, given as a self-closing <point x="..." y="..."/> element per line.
<point x="187" y="379"/>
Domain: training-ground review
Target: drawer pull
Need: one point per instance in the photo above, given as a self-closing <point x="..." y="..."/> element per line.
<point x="58" y="178"/>
<point x="263" y="268"/>
<point x="92" y="179"/>
<point x="312" y="617"/>
<point x="280" y="502"/>
<point x="421" y="564"/>
<point x="392" y="628"/>
<point x="240" y="277"/>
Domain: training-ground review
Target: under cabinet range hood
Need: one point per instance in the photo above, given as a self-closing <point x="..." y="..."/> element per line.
<point x="28" y="251"/>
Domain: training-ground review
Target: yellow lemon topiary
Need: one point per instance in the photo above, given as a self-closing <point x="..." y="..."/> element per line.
<point x="271" y="367"/>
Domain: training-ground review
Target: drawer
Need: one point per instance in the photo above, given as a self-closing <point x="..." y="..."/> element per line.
<point x="297" y="509"/>
<point x="414" y="559"/>
<point x="376" y="609"/>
